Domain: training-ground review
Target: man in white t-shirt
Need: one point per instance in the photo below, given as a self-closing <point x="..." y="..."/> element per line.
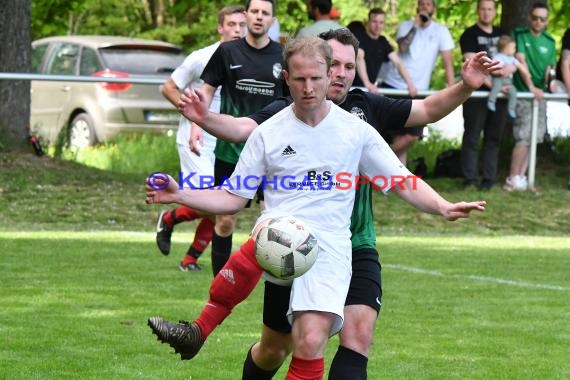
<point x="420" y="41"/>
<point x="231" y="26"/>
<point x="319" y="138"/>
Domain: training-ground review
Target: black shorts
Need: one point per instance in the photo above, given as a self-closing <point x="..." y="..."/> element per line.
<point x="366" y="281"/>
<point x="275" y="307"/>
<point x="365" y="289"/>
<point x="224" y="170"/>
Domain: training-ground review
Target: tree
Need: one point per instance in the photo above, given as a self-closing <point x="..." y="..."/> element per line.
<point x="517" y="14"/>
<point x="15" y="56"/>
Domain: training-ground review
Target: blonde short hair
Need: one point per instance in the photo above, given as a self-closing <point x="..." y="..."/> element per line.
<point x="309" y="46"/>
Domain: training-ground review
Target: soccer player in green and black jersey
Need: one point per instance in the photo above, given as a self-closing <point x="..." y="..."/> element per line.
<point x="249" y="72"/>
<point x="364" y="295"/>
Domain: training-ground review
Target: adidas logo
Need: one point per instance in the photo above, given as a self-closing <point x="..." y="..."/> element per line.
<point x="288" y="151"/>
<point x="228" y="274"/>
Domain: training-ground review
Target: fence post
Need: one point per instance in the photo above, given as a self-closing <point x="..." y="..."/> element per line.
<point x="533" y="138"/>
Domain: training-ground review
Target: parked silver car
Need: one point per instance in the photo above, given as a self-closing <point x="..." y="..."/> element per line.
<point x="85" y="113"/>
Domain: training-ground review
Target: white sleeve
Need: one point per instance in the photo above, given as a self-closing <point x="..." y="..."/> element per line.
<point x="188" y="72"/>
<point x="445" y="41"/>
<point x="379" y="163"/>
<point x="250" y="168"/>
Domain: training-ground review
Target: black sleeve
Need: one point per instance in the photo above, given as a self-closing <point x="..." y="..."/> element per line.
<point x="387" y="46"/>
<point x="270" y="110"/>
<point x="468" y="42"/>
<point x="566" y="40"/>
<point x="213" y="73"/>
<point x="389" y="113"/>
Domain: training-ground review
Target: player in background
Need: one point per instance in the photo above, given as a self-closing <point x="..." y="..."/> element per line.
<point x="231" y="26"/>
<point x="249" y="71"/>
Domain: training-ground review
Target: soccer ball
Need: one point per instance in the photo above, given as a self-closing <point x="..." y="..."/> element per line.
<point x="285" y="248"/>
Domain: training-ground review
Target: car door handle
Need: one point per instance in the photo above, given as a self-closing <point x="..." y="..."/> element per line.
<point x="66" y="89"/>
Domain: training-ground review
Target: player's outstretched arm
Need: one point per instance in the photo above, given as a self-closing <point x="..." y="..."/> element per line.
<point x="419" y="194"/>
<point x="474" y="72"/>
<point x="192" y="105"/>
<point x="213" y="201"/>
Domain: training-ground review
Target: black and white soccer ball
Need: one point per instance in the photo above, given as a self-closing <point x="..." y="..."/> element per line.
<point x="286" y="248"/>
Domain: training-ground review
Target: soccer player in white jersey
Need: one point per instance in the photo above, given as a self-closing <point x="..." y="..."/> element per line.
<point x="324" y="138"/>
<point x="231" y="26"/>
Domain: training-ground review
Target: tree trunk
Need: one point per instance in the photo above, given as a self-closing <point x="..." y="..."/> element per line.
<point x="515" y="13"/>
<point x="15" y="56"/>
<point x="159" y="13"/>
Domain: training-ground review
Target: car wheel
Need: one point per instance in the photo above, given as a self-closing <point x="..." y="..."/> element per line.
<point x="81" y="132"/>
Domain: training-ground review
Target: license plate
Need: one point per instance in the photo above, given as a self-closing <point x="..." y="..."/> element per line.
<point x="161" y="116"/>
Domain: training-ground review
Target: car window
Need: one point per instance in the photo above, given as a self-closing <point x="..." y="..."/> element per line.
<point x="141" y="61"/>
<point x="38" y="52"/>
<point x="64" y="59"/>
<point x="89" y="62"/>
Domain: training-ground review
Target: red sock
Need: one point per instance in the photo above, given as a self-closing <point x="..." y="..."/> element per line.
<point x="180" y="214"/>
<point x="232" y="284"/>
<point x="189" y="259"/>
<point x="306" y="369"/>
<point x="203" y="234"/>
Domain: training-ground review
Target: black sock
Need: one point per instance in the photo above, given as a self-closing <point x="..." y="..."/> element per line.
<point x="193" y="252"/>
<point x="252" y="372"/>
<point x="348" y="365"/>
<point x="221" y="250"/>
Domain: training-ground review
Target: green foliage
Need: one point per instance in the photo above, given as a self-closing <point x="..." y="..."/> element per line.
<point x="192" y="24"/>
<point x="106" y="17"/>
<point x="292" y="16"/>
<point x="44" y="193"/>
<point x="139" y="154"/>
<point x="561" y="150"/>
<point x="430" y="147"/>
<point x="2" y="142"/>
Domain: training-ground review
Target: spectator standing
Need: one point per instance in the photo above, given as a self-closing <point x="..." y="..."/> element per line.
<point x="536" y="50"/>
<point x="319" y="10"/>
<point x="374" y="50"/>
<point x="483" y="36"/>
<point x="420" y="41"/>
<point x="231" y="26"/>
<point x="563" y="67"/>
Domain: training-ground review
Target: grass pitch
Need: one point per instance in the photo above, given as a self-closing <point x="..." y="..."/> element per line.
<point x="75" y="304"/>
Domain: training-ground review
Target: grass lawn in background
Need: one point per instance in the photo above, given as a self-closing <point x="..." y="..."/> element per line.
<point x="484" y="298"/>
<point x="75" y="304"/>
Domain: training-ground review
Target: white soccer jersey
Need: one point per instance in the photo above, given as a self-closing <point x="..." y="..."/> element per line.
<point x="188" y="75"/>
<point x="421" y="58"/>
<point x="306" y="171"/>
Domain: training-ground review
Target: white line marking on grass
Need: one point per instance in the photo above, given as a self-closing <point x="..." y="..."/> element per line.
<point x="414" y="270"/>
<point x="522" y="284"/>
<point x="494" y="280"/>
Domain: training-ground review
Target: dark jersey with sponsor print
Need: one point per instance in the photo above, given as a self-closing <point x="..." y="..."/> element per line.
<point x="384" y="114"/>
<point x="474" y="39"/>
<point x="250" y="79"/>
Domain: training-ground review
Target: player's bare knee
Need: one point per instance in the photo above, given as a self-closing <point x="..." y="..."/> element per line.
<point x="274" y="353"/>
<point x="310" y="344"/>
<point x="225" y="225"/>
